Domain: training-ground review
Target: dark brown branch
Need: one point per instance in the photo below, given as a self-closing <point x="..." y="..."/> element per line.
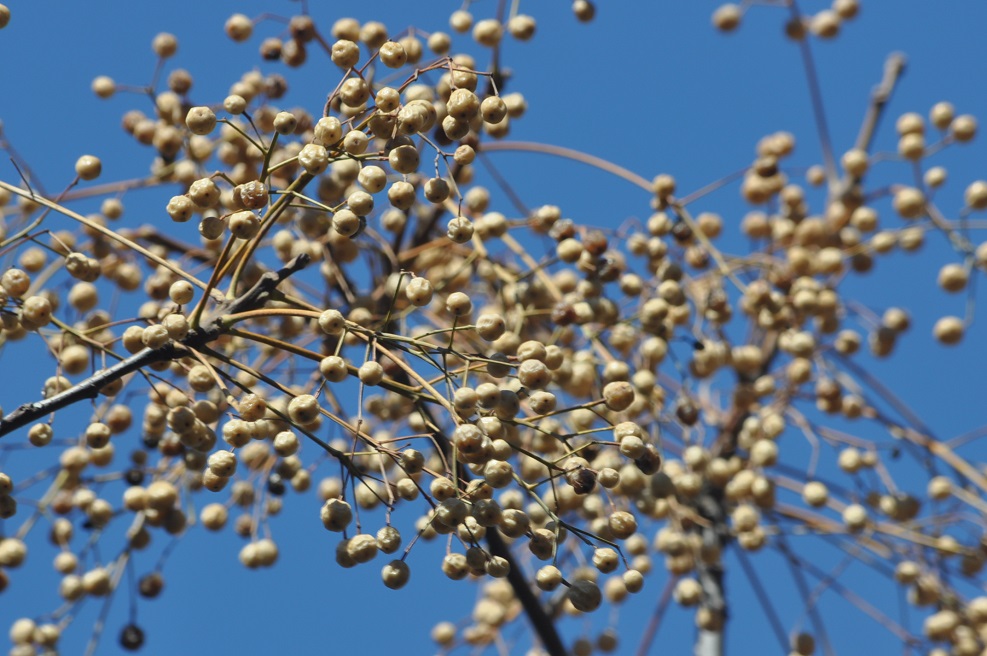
<point x="541" y="621"/>
<point x="252" y="299"/>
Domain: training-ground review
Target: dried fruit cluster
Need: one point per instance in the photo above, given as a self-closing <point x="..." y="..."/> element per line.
<point x="564" y="414"/>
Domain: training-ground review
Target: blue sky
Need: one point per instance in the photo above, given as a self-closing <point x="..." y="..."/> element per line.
<point x="649" y="85"/>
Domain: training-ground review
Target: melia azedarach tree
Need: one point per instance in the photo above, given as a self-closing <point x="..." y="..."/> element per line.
<point x="332" y="297"/>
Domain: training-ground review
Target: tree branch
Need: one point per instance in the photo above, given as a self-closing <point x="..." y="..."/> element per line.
<point x="715" y="534"/>
<point x="541" y="621"/>
<point x="252" y="299"/>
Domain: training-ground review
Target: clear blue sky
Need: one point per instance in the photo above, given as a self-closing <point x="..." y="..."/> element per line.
<point x="649" y="85"/>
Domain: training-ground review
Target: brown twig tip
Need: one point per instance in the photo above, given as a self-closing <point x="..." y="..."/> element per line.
<point x="260" y="293"/>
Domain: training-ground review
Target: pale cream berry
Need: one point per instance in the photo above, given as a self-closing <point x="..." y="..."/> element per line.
<point x="345" y="53"/>
<point x="371" y="373"/>
<point x="459" y="304"/>
<point x="439" y="43"/>
<point x="355" y="142"/>
<point x="214" y="516"/>
<point x="953" y="277"/>
<point x="314" y="158"/>
<point x="490" y="326"/>
<point x="455" y="129"/>
<point x="395" y="574"/>
<point x="912" y="146"/>
<point x="404" y="159"/>
<point x="464" y="155"/>
<point x="436" y="190"/>
<point x="949" y="330"/>
<point x="222" y="463"/>
<point x="618" y="395"/>
<point x="941" y="115"/>
<point x="633" y="580"/>
<point x="204" y="192"/>
<point x="727" y="17"/>
<point x="522" y="27"/>
<point x="332" y="322"/>
<point x="976" y="195"/>
<point x="413" y="48"/>
<point x="286" y="444"/>
<point x="896" y="319"/>
<point x="964" y="128"/>
<point x="419" y="291"/>
<point x="180" y="208"/>
<point x="181" y="292"/>
<point x="584" y="10"/>
<point x="161" y="495"/>
<point x="244" y="224"/>
<point x="815" y="175"/>
<point x="36" y="312"/>
<point x="40" y="435"/>
<point x="104" y="87"/>
<point x="360" y="202"/>
<point x="88" y="167"/>
<point x="372" y="178"/>
<point x="393" y="54"/>
<point x="935" y="177"/>
<point x="15" y="282"/>
<point x="825" y="24"/>
<point x="855" y="517"/>
<point x="416" y="116"/>
<point x="910" y="123"/>
<point x="846" y="9"/>
<point x="488" y="32"/>
<point x="354" y="92"/>
<point x="212" y="227"/>
<point x="548" y="578"/>
<point x="909" y="203"/>
<point x="498" y="567"/>
<point x="155" y="337"/>
<point x="461" y="21"/>
<point x="303" y="409"/>
<point x="200" y="120"/>
<point x="493" y="109"/>
<point x="940" y="488"/>
<point x="235" y="104"/>
<point x="622" y="524"/>
<point x="347" y="223"/>
<point x="373" y="34"/>
<point x="22" y="630"/>
<point x="164" y="45"/>
<point x="285" y="123"/>
<point x="463" y="105"/>
<point x="815" y="494"/>
<point x="533" y="374"/>
<point x="855" y="162"/>
<point x="459" y="229"/>
<point x="327" y="131"/>
<point x="239" y="27"/>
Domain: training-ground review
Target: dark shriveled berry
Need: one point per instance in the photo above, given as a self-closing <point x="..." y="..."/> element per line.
<point x="582" y="481"/>
<point x="650" y="461"/>
<point x="132" y="637"/>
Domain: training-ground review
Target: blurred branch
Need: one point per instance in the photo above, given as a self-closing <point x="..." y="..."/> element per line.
<point x="894" y="68"/>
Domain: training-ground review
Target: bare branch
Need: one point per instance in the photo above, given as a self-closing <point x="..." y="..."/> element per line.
<point x="253" y="298"/>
